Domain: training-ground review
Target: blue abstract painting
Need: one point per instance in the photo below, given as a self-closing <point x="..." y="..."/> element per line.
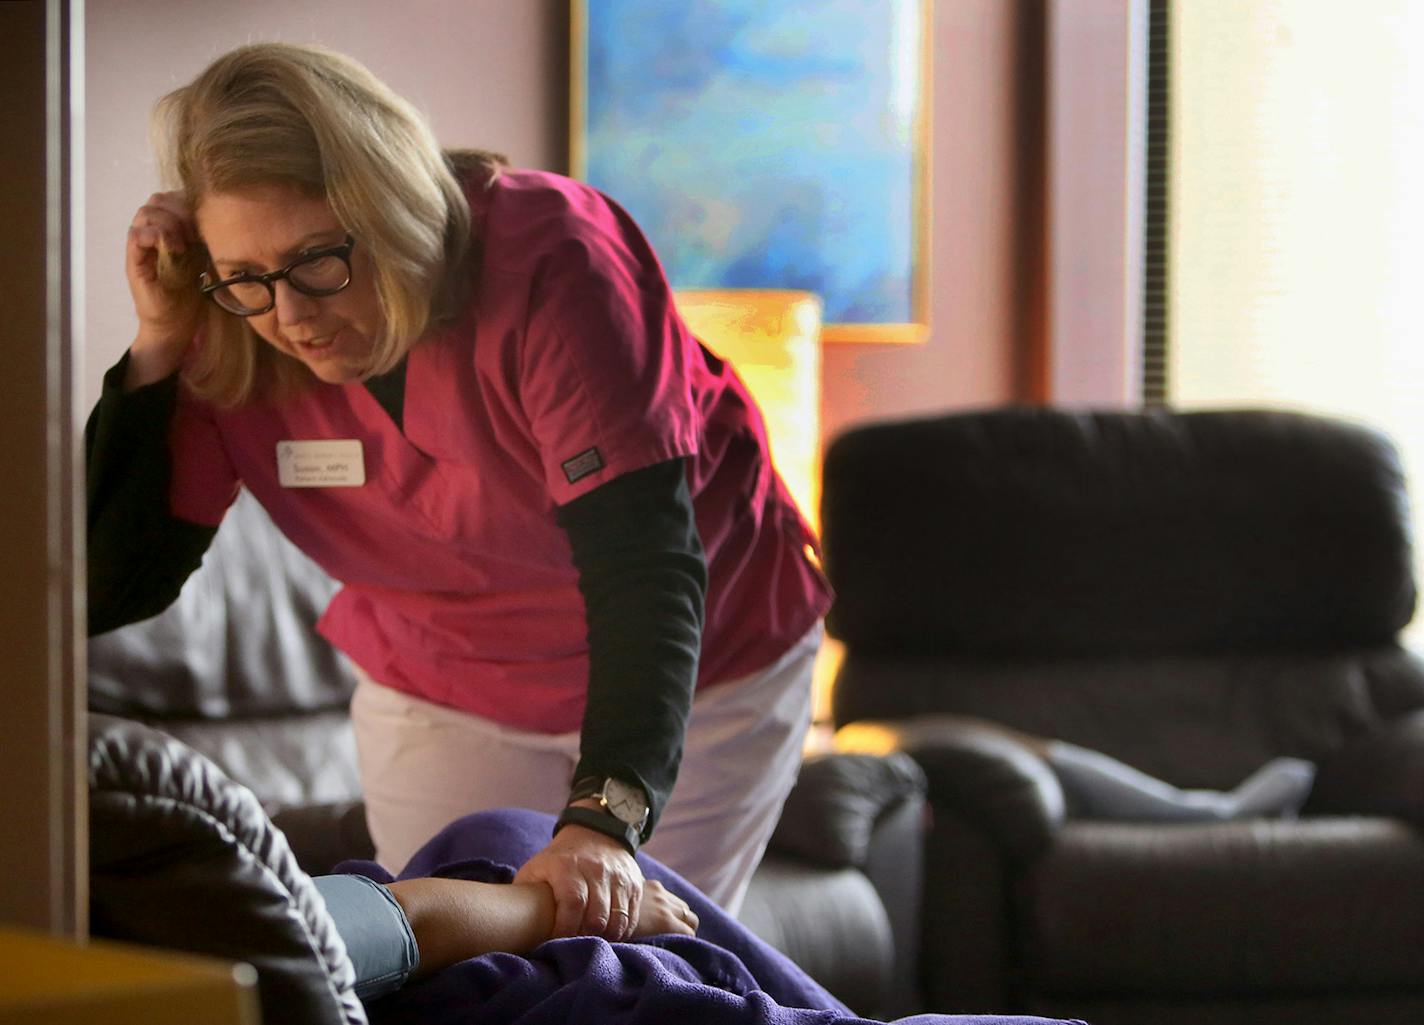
<point x="764" y="145"/>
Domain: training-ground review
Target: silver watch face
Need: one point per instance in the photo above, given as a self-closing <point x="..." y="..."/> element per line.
<point x="625" y="802"/>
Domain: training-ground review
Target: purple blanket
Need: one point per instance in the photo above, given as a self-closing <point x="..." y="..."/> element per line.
<point x="723" y="976"/>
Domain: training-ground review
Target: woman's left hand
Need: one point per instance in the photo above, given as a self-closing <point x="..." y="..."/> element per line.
<point x="597" y="885"/>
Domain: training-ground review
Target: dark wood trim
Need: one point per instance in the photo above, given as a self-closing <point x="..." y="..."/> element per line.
<point x="1032" y="306"/>
<point x="43" y="798"/>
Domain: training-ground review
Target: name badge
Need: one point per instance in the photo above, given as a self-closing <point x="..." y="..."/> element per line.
<point x="321" y="464"/>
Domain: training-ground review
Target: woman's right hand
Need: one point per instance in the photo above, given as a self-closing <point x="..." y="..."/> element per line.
<point x="168" y="312"/>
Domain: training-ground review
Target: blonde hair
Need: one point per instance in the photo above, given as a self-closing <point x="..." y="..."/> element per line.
<point x="319" y="122"/>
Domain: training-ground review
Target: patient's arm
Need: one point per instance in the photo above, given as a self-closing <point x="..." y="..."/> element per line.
<point x="412" y="928"/>
<point x="455" y="919"/>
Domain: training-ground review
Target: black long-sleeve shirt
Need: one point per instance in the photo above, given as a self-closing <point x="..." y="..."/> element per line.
<point x="642" y="574"/>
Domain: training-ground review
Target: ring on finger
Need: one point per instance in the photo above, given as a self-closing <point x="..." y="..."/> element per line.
<point x="621" y="911"/>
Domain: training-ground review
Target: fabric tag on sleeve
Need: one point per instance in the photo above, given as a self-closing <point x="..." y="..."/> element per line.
<point x="325" y="463"/>
<point x="581" y="465"/>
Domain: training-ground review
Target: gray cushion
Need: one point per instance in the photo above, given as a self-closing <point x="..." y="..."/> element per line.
<point x="240" y="640"/>
<point x="831" y="813"/>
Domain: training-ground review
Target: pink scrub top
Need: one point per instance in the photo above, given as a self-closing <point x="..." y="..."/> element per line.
<point x="568" y="367"/>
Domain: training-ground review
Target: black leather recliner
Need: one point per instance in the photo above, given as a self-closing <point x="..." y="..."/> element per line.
<point x="1192" y="594"/>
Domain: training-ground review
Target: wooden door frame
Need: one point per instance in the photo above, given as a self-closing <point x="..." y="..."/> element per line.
<point x="43" y="792"/>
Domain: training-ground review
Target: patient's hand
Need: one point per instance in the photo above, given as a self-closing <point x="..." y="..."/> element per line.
<point x="663" y="912"/>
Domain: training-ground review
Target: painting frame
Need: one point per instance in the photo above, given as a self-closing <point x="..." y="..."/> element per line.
<point x="906" y="224"/>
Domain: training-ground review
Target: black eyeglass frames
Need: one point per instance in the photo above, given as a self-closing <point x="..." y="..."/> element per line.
<point x="317" y="273"/>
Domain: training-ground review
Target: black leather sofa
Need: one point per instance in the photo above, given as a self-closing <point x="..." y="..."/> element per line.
<point x="236" y="671"/>
<point x="1192" y="594"/>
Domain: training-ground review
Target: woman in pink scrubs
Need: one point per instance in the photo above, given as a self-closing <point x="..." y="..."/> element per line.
<point x="570" y="573"/>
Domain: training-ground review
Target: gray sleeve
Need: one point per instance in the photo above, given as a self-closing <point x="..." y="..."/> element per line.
<point x="377" y="934"/>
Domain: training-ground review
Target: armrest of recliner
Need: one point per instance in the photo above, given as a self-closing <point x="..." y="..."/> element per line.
<point x="831" y="815"/>
<point x="987" y="778"/>
<point x="1378" y="773"/>
<point x="840" y="889"/>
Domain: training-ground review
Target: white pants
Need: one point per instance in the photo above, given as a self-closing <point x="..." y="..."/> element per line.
<point x="424" y="765"/>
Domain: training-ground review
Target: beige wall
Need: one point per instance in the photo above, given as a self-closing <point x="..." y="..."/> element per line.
<point x="494" y="73"/>
<point x="1097" y="90"/>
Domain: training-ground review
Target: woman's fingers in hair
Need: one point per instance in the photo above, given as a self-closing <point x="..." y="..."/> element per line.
<point x="164" y="218"/>
<point x="174" y="203"/>
<point x="168" y="304"/>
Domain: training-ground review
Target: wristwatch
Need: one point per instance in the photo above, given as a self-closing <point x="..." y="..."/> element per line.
<point x="622" y="812"/>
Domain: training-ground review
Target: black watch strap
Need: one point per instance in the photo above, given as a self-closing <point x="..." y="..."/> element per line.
<point x="586" y="787"/>
<point x="602" y="822"/>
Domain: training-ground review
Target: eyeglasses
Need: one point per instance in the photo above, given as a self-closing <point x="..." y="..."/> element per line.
<point x="318" y="273"/>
